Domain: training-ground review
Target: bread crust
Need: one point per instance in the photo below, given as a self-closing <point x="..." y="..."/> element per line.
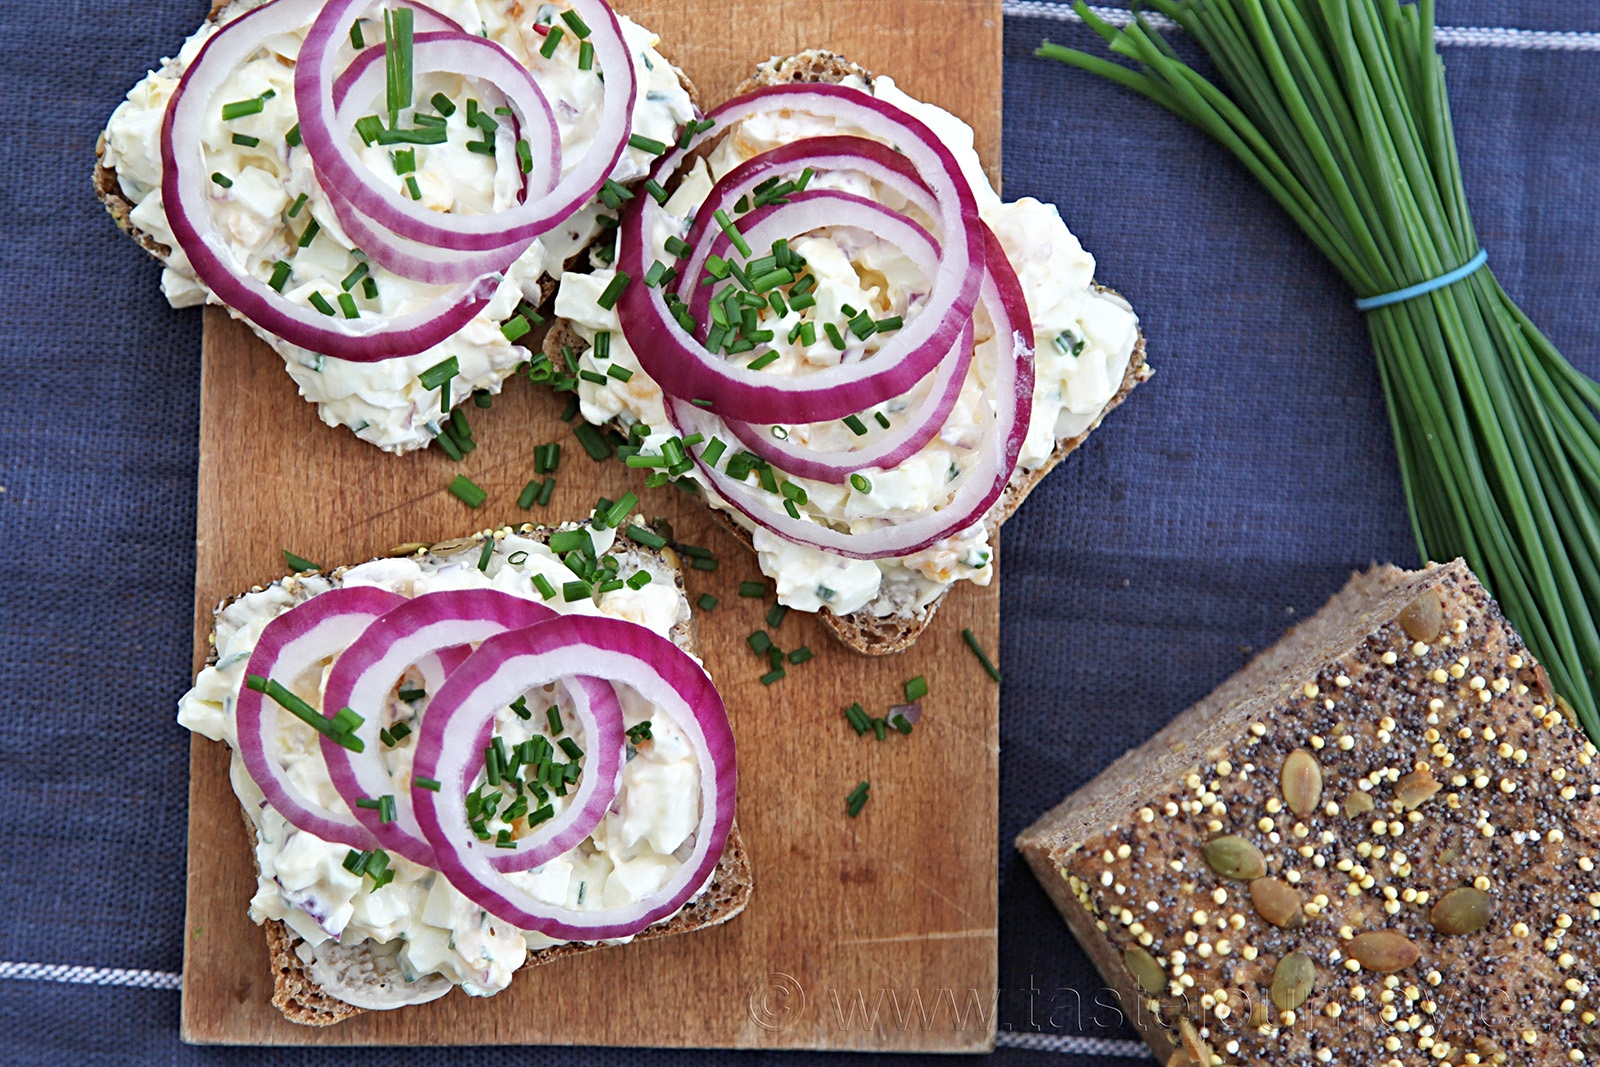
<point x="302" y="1000"/>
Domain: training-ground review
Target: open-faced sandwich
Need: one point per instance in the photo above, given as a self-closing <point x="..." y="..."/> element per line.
<point x="385" y="192"/>
<point x="436" y="797"/>
<point x="819" y="314"/>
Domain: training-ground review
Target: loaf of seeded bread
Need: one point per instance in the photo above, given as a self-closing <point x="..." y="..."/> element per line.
<point x="861" y="630"/>
<point x="1372" y="846"/>
<point x="303" y="1000"/>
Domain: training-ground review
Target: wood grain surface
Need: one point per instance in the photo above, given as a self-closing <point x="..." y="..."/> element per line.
<point x="868" y="933"/>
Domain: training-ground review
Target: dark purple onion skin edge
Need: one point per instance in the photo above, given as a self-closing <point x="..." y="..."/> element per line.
<point x="248" y="711"/>
<point x="656" y="659"/>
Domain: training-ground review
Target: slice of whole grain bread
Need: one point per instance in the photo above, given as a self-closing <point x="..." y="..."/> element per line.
<point x="298" y="995"/>
<point x="861" y="630"/>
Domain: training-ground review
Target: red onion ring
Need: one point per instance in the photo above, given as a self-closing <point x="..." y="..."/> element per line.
<point x="184" y="192"/>
<point x="669" y="353"/>
<point x="1011" y="392"/>
<point x="327" y="137"/>
<point x="290" y="644"/>
<point x="505" y="665"/>
<point x="433" y="626"/>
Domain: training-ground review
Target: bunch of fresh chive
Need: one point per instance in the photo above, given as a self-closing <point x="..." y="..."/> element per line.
<point x="1339" y="108"/>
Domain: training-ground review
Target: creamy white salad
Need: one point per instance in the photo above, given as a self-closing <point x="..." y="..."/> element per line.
<point x="412" y="939"/>
<point x="265" y="218"/>
<point x="1084" y="339"/>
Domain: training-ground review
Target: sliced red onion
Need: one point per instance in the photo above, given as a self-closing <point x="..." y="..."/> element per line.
<point x="185" y="187"/>
<point x="883" y="451"/>
<point x="353" y="93"/>
<point x="327" y="136"/>
<point x="823" y="155"/>
<point x="433" y="631"/>
<point x="504" y="666"/>
<point x="289" y="645"/>
<point x="1010" y="393"/>
<point x="668" y="353"/>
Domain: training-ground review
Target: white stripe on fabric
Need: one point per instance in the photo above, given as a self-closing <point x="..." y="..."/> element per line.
<point x="1451" y="36"/>
<point x="61" y="972"/>
<point x="1072" y="1043"/>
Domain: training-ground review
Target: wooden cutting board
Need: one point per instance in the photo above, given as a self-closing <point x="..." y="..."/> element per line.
<point x="868" y="933"/>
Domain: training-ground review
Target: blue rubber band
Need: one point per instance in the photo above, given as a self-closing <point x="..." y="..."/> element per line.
<point x="1367" y="303"/>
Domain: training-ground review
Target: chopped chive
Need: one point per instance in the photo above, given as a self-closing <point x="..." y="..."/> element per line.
<point x="244" y="140"/>
<point x="759" y="642"/>
<point x="369" y="288"/>
<point x="707" y="602"/>
<point x="552" y="42"/>
<point x="586" y="55"/>
<point x="655" y="273"/>
<point x="834" y="337"/>
<point x="468" y="491"/>
<point x="578" y="590"/>
<point x="801" y="303"/>
<point x="893" y="322"/>
<point x="310" y="234"/>
<point x="280" y="274"/>
<point x="546" y="590"/>
<point x="770" y="280"/>
<point x="613" y="290"/>
<point x="763" y="360"/>
<point x="545" y="493"/>
<point x="524" y="156"/>
<point x="713" y="452"/>
<point x="292" y="138"/>
<point x="593" y="442"/>
<point x="412" y="694"/>
<point x="299" y="202"/>
<point x="773" y="675"/>
<point x="439" y="373"/>
<point x="638" y="580"/>
<point x="805" y="180"/>
<point x="857" y="717"/>
<point x="621" y="374"/>
<point x="448" y="444"/>
<point x="579" y="27"/>
<point x="860" y="483"/>
<point x="240" y="108"/>
<point x="862" y="326"/>
<point x="704" y="564"/>
<point x="303" y="711"/>
<point x="484" y="147"/>
<point x="808" y="333"/>
<point x="520" y="706"/>
<point x="857" y="427"/>
<point x="916" y="689"/>
<point x="754" y="590"/>
<point x="347" y="304"/>
<point x="648" y="538"/>
<point x="858" y="796"/>
<point x="619" y="510"/>
<point x="354" y="276"/>
<point x="397" y="39"/>
<point x="482" y="398"/>
<point x="647" y="144"/>
<point x="356" y="39"/>
<point x="222" y="179"/>
<point x="800" y="655"/>
<point x="552" y="715"/>
<point x="977" y="650"/>
<point x="775" y="615"/>
<point x="529" y="494"/>
<point x="320" y="302"/>
<point x="486" y="554"/>
<point x="369" y="127"/>
<point x="733" y="233"/>
<point x="443" y="104"/>
<point x="491" y="765"/>
<point x="879" y="729"/>
<point x="792" y="508"/>
<point x="412" y="187"/>
<point x="297" y="564"/>
<point x="678" y="247"/>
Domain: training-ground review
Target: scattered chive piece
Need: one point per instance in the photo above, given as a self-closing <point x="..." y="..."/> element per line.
<point x="983" y="657"/>
<point x="552" y="42"/>
<point x="593" y="442"/>
<point x="354" y="276"/>
<point x="713" y="452"/>
<point x="621" y="374"/>
<point x="299" y="202"/>
<point x="412" y="187"/>
<point x="347" y="304"/>
<point x="397" y="40"/>
<point x="613" y="290"/>
<point x="293" y="136"/>
<point x="880" y="729"/>
<point x="763" y="360"/>
<point x="916" y="689"/>
<point x="800" y="655"/>
<point x="754" y="590"/>
<point x="707" y="602"/>
<point x="759" y="642"/>
<point x="857" y="427"/>
<point x="320" y="302"/>
<point x="549" y="488"/>
<point x="901" y="723"/>
<point x="647" y="144"/>
<point x="883" y="420"/>
<point x="299" y="563"/>
<point x="468" y="491"/>
<point x="222" y="179"/>
<point x="860" y="483"/>
<point x="356" y="39"/>
<point x="857" y="717"/>
<point x="858" y="796"/>
<point x="517" y="559"/>
<point x="893" y="322"/>
<point x="703" y="564"/>
<point x="733" y="233"/>
<point x="552" y="715"/>
<point x="586" y="55"/>
<point x="310" y="234"/>
<point x="775" y="615"/>
<point x="579" y="590"/>
<point x="244" y="140"/>
<point x="443" y="104"/>
<point x="515" y="327"/>
<point x="369" y="288"/>
<point x="546" y="590"/>
<point x="620" y="509"/>
<point x="369" y="127"/>
<point x="579" y="27"/>
<point x="280" y="274"/>
<point x="834" y="337"/>
<point x="482" y="398"/>
<point x="484" y="147"/>
<point x="240" y="108"/>
<point x="524" y="157"/>
<point x="773" y="675"/>
<point x="439" y="373"/>
<point x="863" y="326"/>
<point x="520" y="706"/>
<point x="678" y="247"/>
<point x="648" y="538"/>
<point x="529" y="494"/>
<point x="792" y="508"/>
<point x="446" y="442"/>
<point x="638" y="580"/>
<point x="486" y="554"/>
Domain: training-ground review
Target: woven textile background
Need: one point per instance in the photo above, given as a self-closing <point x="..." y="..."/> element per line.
<point x="1226" y="500"/>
